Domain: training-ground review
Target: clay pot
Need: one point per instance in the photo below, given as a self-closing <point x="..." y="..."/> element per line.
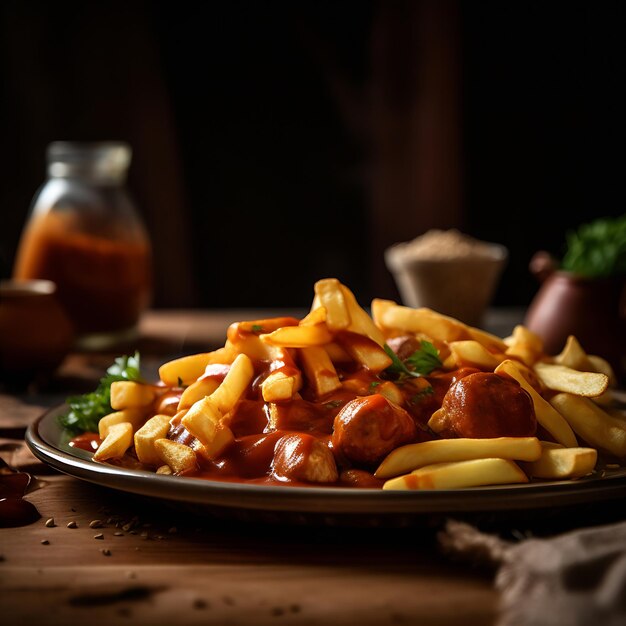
<point x="35" y="332"/>
<point x="592" y="309"/>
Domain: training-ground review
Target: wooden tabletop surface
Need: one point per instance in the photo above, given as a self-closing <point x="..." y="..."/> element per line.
<point x="108" y="557"/>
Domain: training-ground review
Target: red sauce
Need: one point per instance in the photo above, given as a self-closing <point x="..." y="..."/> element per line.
<point x="248" y="457"/>
<point x="86" y="441"/>
<point x="360" y="479"/>
<point x="260" y="427"/>
<point x="103" y="283"/>
<point x="14" y="509"/>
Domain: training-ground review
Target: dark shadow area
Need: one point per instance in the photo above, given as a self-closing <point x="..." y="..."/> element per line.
<point x="277" y="143"/>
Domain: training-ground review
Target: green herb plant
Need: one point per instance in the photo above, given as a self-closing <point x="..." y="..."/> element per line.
<point x="421" y="363"/>
<point x="86" y="410"/>
<point x="597" y="249"/>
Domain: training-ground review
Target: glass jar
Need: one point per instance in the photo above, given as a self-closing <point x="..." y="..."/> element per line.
<point x="85" y="234"/>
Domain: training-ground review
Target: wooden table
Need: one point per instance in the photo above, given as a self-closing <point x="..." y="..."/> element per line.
<point x="150" y="562"/>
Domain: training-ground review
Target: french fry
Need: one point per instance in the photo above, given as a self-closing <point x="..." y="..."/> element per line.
<point x="562" y="378"/>
<point x="188" y="369"/>
<point x="602" y="366"/>
<point x="196" y="391"/>
<point x="379" y="308"/>
<point x="202" y="420"/>
<point x="531" y="377"/>
<point x="487" y="340"/>
<point x="591" y="423"/>
<point x="164" y="470"/>
<point x="364" y="351"/>
<point x="316" y="316"/>
<point x="223" y="438"/>
<point x="126" y="394"/>
<point x="551" y="445"/>
<point x="155" y="428"/>
<point x="391" y="391"/>
<point x="118" y="439"/>
<point x="618" y="414"/>
<point x="360" y="321"/>
<point x="336" y="353"/>
<point x="574" y="356"/>
<point x="319" y="370"/>
<point x="298" y="336"/>
<point x="232" y="388"/>
<point x="561" y="463"/>
<point x="178" y="457"/>
<point x="523" y="335"/>
<point x="135" y="417"/>
<point x="460" y="475"/>
<point x="331" y="297"/>
<point x="280" y="385"/>
<point x="471" y="353"/>
<point x="253" y="348"/>
<point x="524" y="344"/>
<point x="422" y="320"/>
<point x="415" y="455"/>
<point x="546" y="414"/>
<point x="606" y="400"/>
<point x="257" y="327"/>
<point x="205" y="419"/>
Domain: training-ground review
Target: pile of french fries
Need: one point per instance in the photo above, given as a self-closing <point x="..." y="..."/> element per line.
<point x="572" y="394"/>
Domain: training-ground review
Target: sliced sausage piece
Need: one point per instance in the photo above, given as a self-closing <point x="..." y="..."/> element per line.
<point x="485" y="405"/>
<point x="404" y="346"/>
<point x="368" y="428"/>
<point x="302" y="457"/>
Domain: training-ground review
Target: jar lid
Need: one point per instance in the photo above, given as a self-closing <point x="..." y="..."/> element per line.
<point x="105" y="160"/>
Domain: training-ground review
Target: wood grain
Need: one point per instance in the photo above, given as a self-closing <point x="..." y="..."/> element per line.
<point x="172" y="567"/>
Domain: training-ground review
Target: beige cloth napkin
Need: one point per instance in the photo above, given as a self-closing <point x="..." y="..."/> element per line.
<point x="574" y="579"/>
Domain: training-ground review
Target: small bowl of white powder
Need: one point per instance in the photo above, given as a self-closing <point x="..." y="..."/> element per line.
<point x="449" y="272"/>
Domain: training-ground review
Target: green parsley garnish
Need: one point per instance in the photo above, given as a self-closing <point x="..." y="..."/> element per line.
<point x="333" y="404"/>
<point x="374" y="384"/>
<point x="257" y="328"/>
<point x="422" y="362"/>
<point x="86" y="410"/>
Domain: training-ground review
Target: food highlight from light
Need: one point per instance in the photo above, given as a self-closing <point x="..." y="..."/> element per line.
<point x="399" y="399"/>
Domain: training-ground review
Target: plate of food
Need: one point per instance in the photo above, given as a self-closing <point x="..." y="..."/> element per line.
<point x="391" y="412"/>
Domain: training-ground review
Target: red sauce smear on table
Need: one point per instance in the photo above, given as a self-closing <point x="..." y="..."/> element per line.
<point x="14" y="509"/>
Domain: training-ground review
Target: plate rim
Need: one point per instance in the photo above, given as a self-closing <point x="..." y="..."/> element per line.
<point x="322" y="500"/>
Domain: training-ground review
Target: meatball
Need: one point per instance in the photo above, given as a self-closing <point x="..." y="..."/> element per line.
<point x="303" y="457"/>
<point x="484" y="405"/>
<point x="368" y="428"/>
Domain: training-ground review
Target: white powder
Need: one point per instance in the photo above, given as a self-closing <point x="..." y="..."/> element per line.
<point x="446" y="244"/>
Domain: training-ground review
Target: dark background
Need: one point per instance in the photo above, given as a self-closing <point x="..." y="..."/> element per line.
<point x="276" y="143"/>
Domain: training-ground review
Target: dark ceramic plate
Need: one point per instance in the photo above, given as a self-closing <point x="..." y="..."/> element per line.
<point x="336" y="505"/>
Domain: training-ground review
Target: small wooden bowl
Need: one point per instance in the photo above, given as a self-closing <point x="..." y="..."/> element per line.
<point x="35" y="332"/>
